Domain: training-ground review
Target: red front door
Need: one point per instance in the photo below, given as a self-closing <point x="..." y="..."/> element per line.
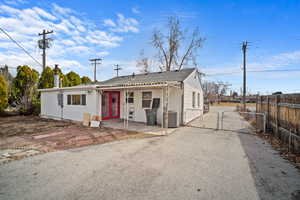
<point x="110" y="105"/>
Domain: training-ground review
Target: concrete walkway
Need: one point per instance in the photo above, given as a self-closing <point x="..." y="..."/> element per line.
<point x="191" y="163"/>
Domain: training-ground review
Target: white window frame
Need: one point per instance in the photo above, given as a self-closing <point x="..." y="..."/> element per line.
<point x="148" y="99"/>
<point x="71" y="103"/>
<point x="128" y="97"/>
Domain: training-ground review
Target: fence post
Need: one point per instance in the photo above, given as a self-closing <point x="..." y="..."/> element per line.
<point x="256" y="111"/>
<point x="268" y="111"/>
<point x="260" y="105"/>
<point x="218" y="121"/>
<point x="277" y="115"/>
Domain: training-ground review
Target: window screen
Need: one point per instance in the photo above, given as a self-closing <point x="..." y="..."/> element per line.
<point x="146" y="99"/>
<point x="130" y="97"/>
<point x="75" y="99"/>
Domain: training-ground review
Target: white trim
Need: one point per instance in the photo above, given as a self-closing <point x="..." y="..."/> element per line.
<point x="189" y="75"/>
<point x="68" y="88"/>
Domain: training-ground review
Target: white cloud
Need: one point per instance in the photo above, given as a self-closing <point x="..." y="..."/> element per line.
<point x="15" y="2"/>
<point x="135" y="10"/>
<point x="60" y="10"/>
<point x="122" y="24"/>
<point x="109" y="22"/>
<point x="43" y="13"/>
<point x="75" y="38"/>
<point x="282" y="61"/>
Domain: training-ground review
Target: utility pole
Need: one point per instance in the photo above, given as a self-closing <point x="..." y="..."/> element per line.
<point x="117" y="69"/>
<point x="95" y="62"/>
<point x="43" y="44"/>
<point x="244" y="49"/>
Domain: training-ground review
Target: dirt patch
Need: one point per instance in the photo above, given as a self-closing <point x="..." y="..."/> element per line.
<point x="23" y="125"/>
<point x="22" y="134"/>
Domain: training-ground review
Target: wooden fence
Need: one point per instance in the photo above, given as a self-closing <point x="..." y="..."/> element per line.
<point x="283" y="117"/>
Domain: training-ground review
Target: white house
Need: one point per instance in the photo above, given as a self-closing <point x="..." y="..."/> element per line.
<point x="177" y="91"/>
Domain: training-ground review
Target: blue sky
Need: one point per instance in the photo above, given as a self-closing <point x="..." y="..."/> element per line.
<point x="117" y="30"/>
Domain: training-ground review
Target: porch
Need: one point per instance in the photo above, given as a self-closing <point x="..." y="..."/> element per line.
<point x="136" y="126"/>
<point x="124" y="107"/>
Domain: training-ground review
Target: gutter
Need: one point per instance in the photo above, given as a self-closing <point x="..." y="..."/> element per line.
<point x="68" y="88"/>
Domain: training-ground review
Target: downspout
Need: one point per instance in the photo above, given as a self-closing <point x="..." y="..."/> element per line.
<point x="62" y="105"/>
<point x="100" y="103"/>
<point x="182" y="103"/>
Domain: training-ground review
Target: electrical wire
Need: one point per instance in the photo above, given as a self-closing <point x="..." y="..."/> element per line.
<point x="255" y="71"/>
<point x="19" y="45"/>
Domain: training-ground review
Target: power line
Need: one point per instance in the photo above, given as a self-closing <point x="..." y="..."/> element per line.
<point x="19" y="45"/>
<point x="255" y="71"/>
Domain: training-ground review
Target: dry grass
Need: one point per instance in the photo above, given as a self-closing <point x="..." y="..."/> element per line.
<point x="233" y="104"/>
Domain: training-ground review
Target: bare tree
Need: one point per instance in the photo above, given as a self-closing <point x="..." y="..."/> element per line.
<point x="143" y="63"/>
<point x="174" y="49"/>
<point x="213" y="91"/>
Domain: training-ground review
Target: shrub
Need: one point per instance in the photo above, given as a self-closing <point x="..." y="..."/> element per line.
<point x="3" y="94"/>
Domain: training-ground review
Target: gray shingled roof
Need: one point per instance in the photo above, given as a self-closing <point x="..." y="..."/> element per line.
<point x="150" y="77"/>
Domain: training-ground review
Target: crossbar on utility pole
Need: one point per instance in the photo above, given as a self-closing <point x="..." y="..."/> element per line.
<point x="44" y="45"/>
<point x="244" y="49"/>
<point x="94" y="62"/>
<point x="118" y="68"/>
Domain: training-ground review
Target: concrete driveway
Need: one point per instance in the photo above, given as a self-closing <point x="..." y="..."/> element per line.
<point x="192" y="163"/>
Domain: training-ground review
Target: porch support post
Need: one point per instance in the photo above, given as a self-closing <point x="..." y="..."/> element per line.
<point x="163" y="107"/>
<point x="124" y="104"/>
<point x="167" y="108"/>
<point x="100" y="103"/>
<point x="127" y="114"/>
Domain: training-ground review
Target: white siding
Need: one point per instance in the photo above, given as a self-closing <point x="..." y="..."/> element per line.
<point x="139" y="112"/>
<point x="192" y="84"/>
<point x="49" y="105"/>
<point x="51" y="109"/>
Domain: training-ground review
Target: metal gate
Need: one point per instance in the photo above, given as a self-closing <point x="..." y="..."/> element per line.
<point x="243" y="121"/>
<point x="210" y="120"/>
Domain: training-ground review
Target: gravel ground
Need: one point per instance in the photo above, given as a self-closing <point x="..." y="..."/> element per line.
<point x="192" y="163"/>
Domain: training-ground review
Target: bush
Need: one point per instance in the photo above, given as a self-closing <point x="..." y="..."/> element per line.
<point x="3" y="94"/>
<point x="34" y="109"/>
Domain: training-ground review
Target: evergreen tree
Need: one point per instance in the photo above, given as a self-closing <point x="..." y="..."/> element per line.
<point x="3" y="93"/>
<point x="85" y="80"/>
<point x="47" y="79"/>
<point x="25" y="85"/>
<point x="73" y="78"/>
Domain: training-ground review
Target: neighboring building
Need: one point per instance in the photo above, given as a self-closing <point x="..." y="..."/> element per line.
<point x="178" y="91"/>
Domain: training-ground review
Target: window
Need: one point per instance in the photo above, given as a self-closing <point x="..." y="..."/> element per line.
<point x="198" y="99"/>
<point x="146" y="99"/>
<point x="77" y="99"/>
<point x="130" y="97"/>
<point x="194" y="96"/>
